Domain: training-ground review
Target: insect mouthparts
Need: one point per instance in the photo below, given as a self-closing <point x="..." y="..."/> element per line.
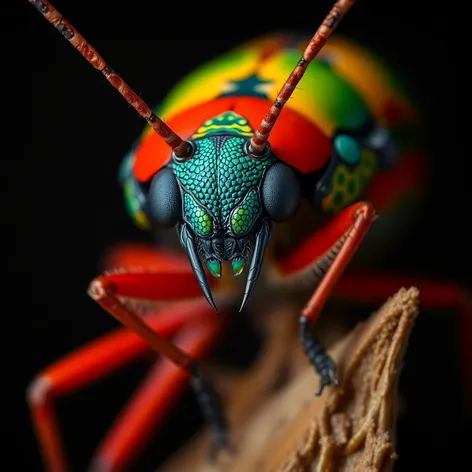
<point x="237" y="265"/>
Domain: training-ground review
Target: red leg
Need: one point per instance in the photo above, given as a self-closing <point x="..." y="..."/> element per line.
<point x="144" y="273"/>
<point x="152" y="400"/>
<point x="88" y="364"/>
<point x="328" y="252"/>
<point x="109" y="290"/>
<point x="362" y="217"/>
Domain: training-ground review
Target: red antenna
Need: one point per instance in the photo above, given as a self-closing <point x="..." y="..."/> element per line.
<point x="259" y="140"/>
<point x="174" y="141"/>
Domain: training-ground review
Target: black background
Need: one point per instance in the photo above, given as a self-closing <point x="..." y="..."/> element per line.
<point x="63" y="205"/>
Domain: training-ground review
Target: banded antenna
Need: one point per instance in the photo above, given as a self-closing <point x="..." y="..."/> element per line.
<point x="258" y="143"/>
<point x="179" y="147"/>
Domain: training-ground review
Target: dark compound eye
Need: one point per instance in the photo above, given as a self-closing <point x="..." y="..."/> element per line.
<point x="280" y="192"/>
<point x="163" y="201"/>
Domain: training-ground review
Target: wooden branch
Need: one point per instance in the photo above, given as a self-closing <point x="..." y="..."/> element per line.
<point x="350" y="428"/>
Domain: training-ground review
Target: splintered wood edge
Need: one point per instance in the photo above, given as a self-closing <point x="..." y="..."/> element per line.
<point x="349" y="428"/>
<point x="345" y="433"/>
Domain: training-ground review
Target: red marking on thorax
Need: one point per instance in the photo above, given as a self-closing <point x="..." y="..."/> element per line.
<point x="305" y="155"/>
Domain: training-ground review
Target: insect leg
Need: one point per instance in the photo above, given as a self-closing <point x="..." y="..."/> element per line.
<point x="108" y="291"/>
<point x="83" y="367"/>
<point x="327" y="252"/>
<point x="158" y="392"/>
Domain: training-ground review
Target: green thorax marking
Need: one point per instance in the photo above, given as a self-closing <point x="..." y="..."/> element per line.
<point x="220" y="184"/>
<point x="228" y="122"/>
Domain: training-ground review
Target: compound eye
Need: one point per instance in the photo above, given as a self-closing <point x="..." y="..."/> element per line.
<point x="163" y="200"/>
<point x="280" y="192"/>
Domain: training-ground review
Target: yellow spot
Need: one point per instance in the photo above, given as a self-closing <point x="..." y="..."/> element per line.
<point x="198" y="213"/>
<point x="233" y="222"/>
<point x="244" y="130"/>
<point x="365" y="168"/>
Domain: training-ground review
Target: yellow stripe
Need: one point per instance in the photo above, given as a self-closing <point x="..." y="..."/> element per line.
<point x="245" y="130"/>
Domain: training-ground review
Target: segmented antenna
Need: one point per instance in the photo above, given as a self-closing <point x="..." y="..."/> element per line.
<point x="179" y="146"/>
<point x="259" y="140"/>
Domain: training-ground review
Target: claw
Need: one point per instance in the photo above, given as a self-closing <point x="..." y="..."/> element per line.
<point x="327" y="377"/>
<point x="320" y="389"/>
<point x="334" y="378"/>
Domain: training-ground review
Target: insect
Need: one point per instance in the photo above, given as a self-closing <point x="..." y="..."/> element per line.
<point x="243" y="155"/>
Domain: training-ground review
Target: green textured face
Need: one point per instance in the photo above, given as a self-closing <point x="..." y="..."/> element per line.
<point x="220" y="185"/>
<point x="224" y="199"/>
<point x="221" y="190"/>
